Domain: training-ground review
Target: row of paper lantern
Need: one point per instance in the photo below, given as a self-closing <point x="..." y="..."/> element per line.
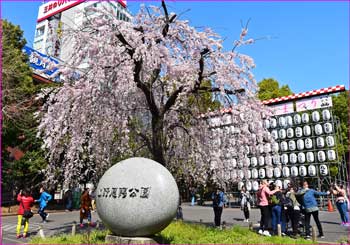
<point x="299" y="132"/>
<point x="297" y="119"/>
<point x="276" y="172"/>
<point x="254" y="185"/>
<point x="308" y="143"/>
<point x="284" y="159"/>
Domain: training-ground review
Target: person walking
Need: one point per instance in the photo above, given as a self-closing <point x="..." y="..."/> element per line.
<point x="25" y="202"/>
<point x="311" y="208"/>
<point x="218" y="204"/>
<point x="262" y="195"/>
<point x="43" y="201"/>
<point x="342" y="203"/>
<point x="245" y="203"/>
<point x="85" y="208"/>
<point x="68" y="198"/>
<point x="293" y="211"/>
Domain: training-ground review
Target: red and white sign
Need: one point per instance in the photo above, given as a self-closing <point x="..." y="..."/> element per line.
<point x="281" y="109"/>
<point x="54" y="7"/>
<point x="314" y="103"/>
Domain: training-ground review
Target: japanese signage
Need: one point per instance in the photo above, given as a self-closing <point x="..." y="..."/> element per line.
<point x="124" y="192"/>
<point x="54" y="7"/>
<point x="284" y="108"/>
<point x="36" y="62"/>
<point x="314" y="103"/>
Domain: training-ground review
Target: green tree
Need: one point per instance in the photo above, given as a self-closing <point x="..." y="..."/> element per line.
<point x="269" y="88"/>
<point x="19" y="104"/>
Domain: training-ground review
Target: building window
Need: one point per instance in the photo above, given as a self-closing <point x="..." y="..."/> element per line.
<point x="40" y="31"/>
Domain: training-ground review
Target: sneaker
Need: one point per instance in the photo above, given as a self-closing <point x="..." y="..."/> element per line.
<point x="247" y="220"/>
<point x="307" y="237"/>
<point x="346" y="224"/>
<point x="283" y="234"/>
<point x="320" y="236"/>
<point x="47" y="216"/>
<point x="266" y="233"/>
<point x="25" y="235"/>
<point x="81" y="225"/>
<point x="44" y="221"/>
<point x="260" y="232"/>
<point x="92" y="224"/>
<point x="18" y="236"/>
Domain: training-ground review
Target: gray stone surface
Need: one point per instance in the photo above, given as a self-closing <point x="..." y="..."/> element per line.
<point x="129" y="240"/>
<point x="137" y="197"/>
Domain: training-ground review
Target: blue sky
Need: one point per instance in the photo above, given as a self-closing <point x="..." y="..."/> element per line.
<point x="303" y="44"/>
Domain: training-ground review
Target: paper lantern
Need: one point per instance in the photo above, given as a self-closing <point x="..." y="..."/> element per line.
<point x="276" y="159"/>
<point x="261" y="173"/>
<point x="308" y="143"/>
<point x="269" y="172"/>
<point x="293" y="158"/>
<point x="282" y="122"/>
<point x="253" y="161"/>
<point x="282" y="133"/>
<point x="267" y="147"/>
<point x="318" y="129"/>
<point x="301" y="157"/>
<point x="305" y="118"/>
<point x="286" y="172"/>
<point x="289" y="121"/>
<point x="248" y="185"/>
<point x="331" y="155"/>
<point x="315" y="116"/>
<point x="291" y="145"/>
<point x="300" y="144"/>
<point x="285" y="183"/>
<point x="330" y="141"/>
<point x="298" y="132"/>
<point x="255" y="185"/>
<point x="302" y="171"/>
<point x="267" y="124"/>
<point x="310" y="157"/>
<point x="321" y="156"/>
<point x="326" y="115"/>
<point x="328" y="128"/>
<point x="278" y="183"/>
<point x="275" y="147"/>
<point x="234" y="174"/>
<point x="255" y="173"/>
<point x="274" y="134"/>
<point x="307" y="130"/>
<point x="261" y="161"/>
<point x="248" y="174"/>
<point x="240" y="163"/>
<point x="284" y="146"/>
<point x="311" y="170"/>
<point x="284" y="158"/>
<point x="297" y="119"/>
<point x="233" y="162"/>
<point x="268" y="160"/>
<point x="273" y="123"/>
<point x="294" y="171"/>
<point x="246" y="162"/>
<point x="277" y="172"/>
<point x="290" y="133"/>
<point x="320" y="142"/>
<point x="240" y="185"/>
<point x="240" y="174"/>
<point x="323" y="170"/>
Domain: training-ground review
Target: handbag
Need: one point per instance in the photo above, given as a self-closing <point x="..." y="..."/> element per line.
<point x="27" y="213"/>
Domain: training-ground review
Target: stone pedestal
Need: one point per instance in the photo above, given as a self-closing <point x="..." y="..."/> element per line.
<point x="129" y="240"/>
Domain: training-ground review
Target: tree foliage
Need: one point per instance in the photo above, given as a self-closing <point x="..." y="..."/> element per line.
<point x="19" y="128"/>
<point x="142" y="80"/>
<point x="269" y="88"/>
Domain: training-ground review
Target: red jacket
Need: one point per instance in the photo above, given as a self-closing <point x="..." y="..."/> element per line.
<point x="27" y="203"/>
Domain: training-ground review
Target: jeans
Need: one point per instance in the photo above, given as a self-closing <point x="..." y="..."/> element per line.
<point x="317" y="221"/>
<point x="69" y="204"/>
<point x="265" y="216"/>
<point x="343" y="211"/>
<point x="42" y="213"/>
<point x="295" y="221"/>
<point x="246" y="212"/>
<point x="277" y="218"/>
<point x="217" y="214"/>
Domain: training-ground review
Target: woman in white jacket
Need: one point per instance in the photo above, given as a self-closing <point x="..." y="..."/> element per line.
<point x="245" y="203"/>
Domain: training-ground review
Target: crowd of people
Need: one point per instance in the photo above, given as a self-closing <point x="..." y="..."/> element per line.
<point x="26" y="202"/>
<point x="291" y="208"/>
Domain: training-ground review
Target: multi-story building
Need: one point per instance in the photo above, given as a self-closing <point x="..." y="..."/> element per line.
<point x="55" y="16"/>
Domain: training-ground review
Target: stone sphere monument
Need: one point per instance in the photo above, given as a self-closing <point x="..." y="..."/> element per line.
<point x="137" y="197"/>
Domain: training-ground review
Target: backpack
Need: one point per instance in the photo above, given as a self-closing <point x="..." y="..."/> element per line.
<point x="274" y="200"/>
<point x="287" y="202"/>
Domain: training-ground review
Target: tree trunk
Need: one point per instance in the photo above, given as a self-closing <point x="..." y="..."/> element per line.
<point x="158" y="139"/>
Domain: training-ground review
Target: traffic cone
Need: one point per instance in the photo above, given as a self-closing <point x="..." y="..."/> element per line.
<point x="330" y="206"/>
